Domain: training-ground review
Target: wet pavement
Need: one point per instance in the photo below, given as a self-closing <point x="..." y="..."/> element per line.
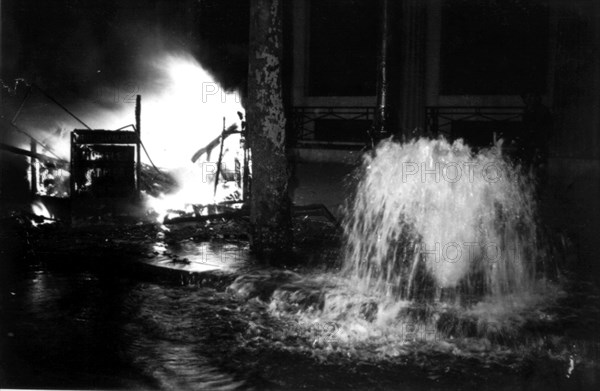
<point x="84" y="325"/>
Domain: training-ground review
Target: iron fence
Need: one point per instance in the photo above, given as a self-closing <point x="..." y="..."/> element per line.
<point x="306" y="121"/>
<point x="441" y="118"/>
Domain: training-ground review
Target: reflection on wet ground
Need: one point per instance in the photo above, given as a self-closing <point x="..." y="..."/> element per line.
<point x="76" y="329"/>
<point x="80" y="328"/>
<point x="195" y="257"/>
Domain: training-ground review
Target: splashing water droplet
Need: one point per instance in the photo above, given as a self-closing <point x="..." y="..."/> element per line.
<point x="432" y="219"/>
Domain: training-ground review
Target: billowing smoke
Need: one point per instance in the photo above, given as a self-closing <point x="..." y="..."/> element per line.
<point x="95" y="59"/>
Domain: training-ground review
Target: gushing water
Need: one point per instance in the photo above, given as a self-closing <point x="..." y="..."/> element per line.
<point x="433" y="220"/>
<point x="441" y="245"/>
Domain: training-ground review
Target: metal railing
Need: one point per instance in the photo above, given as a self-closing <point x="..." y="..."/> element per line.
<point x="440" y="118"/>
<point x="304" y="119"/>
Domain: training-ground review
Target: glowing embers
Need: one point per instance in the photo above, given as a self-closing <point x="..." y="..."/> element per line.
<point x="41" y="214"/>
<point x="196" y="197"/>
<point x="168" y="209"/>
<point x="51" y="178"/>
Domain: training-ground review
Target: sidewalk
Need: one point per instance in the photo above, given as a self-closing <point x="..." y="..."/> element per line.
<point x="572" y="206"/>
<point x="322" y="183"/>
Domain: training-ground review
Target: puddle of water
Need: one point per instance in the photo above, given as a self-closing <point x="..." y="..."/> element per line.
<point x="200" y="257"/>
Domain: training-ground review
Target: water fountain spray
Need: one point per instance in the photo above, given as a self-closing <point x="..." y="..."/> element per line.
<point x="433" y="220"/>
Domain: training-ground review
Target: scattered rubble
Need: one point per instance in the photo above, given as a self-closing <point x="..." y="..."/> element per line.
<point x="317" y="239"/>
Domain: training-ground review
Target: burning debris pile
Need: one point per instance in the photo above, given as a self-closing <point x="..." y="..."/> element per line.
<point x="214" y="250"/>
<point x="154" y="181"/>
<point x="193" y="140"/>
<point x="53" y="179"/>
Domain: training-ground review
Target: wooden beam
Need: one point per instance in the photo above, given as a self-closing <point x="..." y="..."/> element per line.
<point x="20" y="151"/>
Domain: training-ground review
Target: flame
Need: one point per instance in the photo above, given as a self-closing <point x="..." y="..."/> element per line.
<point x="39" y="209"/>
<point x="183" y="109"/>
<point x="185" y="116"/>
<point x="187" y="113"/>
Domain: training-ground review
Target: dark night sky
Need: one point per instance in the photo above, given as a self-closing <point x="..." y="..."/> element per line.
<point x="70" y="47"/>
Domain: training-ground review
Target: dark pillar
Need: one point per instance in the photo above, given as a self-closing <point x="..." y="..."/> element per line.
<point x="380" y="129"/>
<point x="34" y="173"/>
<point x="138" y="131"/>
<point x="576" y="99"/>
<point x="270" y="205"/>
<point x="411" y="58"/>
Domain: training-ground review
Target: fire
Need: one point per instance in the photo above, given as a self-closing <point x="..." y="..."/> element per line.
<point x="39" y="209"/>
<point x="188" y="113"/>
<point x="183" y="110"/>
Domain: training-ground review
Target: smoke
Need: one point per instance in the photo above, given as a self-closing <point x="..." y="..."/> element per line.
<point x="70" y="48"/>
<point x="96" y="57"/>
<point x="187" y="59"/>
<point x="183" y="109"/>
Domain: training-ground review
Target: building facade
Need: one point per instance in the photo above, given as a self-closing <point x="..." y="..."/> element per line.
<point x="458" y="68"/>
